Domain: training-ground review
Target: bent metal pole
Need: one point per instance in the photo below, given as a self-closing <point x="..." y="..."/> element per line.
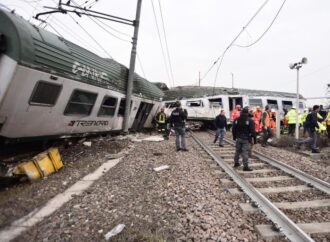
<point x="129" y="86"/>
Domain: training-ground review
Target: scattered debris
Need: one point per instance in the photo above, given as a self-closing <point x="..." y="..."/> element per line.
<point x="160" y="168"/>
<point x="87" y="143"/>
<point x="41" y="165"/>
<point x="116" y="230"/>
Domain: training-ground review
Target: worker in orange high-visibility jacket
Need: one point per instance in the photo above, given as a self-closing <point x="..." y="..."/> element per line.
<point x="273" y="120"/>
<point x="235" y="113"/>
<point x="266" y="128"/>
<point x="257" y="119"/>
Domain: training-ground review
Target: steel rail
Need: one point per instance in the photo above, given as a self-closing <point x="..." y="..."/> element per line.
<point x="310" y="180"/>
<point x="285" y="225"/>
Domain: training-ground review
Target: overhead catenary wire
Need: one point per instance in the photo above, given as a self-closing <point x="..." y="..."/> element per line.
<point x="95" y="20"/>
<point x="68" y="31"/>
<point x="86" y="32"/>
<point x="98" y="44"/>
<point x="231" y="44"/>
<point x="166" y="43"/>
<point x="141" y="66"/>
<point x="161" y="43"/>
<point x="264" y="33"/>
<point x="237" y="36"/>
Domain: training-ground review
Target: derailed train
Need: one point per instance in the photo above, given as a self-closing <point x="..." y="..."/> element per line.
<point x="204" y="103"/>
<point x="51" y="87"/>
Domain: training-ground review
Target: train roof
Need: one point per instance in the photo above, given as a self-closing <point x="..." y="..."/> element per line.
<point x="40" y="49"/>
<point x="184" y="92"/>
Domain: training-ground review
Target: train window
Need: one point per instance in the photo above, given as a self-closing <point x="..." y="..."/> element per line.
<point x="45" y="94"/>
<point x="108" y="106"/>
<point x="272" y="103"/>
<point x="121" y="111"/>
<point x="80" y="103"/>
<point x="255" y="102"/>
<point x="286" y="105"/>
<point x="216" y="102"/>
<point x="197" y="103"/>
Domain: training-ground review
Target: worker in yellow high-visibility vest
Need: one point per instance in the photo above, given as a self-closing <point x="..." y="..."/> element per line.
<point x="291" y="116"/>
<point x="327" y="121"/>
<point x="161" y="121"/>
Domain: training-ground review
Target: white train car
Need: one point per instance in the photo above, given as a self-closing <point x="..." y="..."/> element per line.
<point x="204" y="103"/>
<point x="50" y="87"/>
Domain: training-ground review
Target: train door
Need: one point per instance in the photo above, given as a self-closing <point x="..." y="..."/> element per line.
<point x="233" y="101"/>
<point x="141" y="116"/>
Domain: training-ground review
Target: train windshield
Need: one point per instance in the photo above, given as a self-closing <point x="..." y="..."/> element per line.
<point x="170" y="105"/>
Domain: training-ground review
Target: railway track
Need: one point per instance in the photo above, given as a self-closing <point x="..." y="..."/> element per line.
<point x="278" y="190"/>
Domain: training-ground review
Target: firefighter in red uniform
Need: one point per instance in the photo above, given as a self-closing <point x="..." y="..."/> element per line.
<point x="235" y="113"/>
<point x="257" y="119"/>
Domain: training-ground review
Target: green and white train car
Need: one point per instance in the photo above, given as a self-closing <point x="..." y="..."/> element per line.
<point x="51" y="87"/>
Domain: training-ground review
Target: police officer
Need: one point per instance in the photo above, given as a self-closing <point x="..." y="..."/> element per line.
<point x="243" y="130"/>
<point x="178" y="120"/>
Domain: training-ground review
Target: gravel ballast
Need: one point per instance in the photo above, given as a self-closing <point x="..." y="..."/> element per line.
<point x="184" y="202"/>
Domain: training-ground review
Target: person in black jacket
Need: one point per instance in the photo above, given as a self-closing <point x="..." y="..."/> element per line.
<point x="310" y="125"/>
<point x="178" y="121"/>
<point x="243" y="131"/>
<point x="220" y="123"/>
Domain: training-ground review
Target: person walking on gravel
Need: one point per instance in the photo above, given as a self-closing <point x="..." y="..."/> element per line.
<point x="311" y="126"/>
<point x="243" y="130"/>
<point x="221" y="125"/>
<point x="178" y="121"/>
<point x="266" y="126"/>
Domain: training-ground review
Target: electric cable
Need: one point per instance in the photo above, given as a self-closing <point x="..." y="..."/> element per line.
<point x="140" y="63"/>
<point x="263" y="34"/>
<point x="166" y="44"/>
<point x="161" y="44"/>
<point x="98" y="44"/>
<point x="232" y="42"/>
<point x="112" y="34"/>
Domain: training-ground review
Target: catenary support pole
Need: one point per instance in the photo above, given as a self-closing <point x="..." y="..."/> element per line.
<point x="297" y="106"/>
<point x="129" y="87"/>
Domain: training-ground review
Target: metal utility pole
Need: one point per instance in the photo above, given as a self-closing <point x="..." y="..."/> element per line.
<point x="297" y="106"/>
<point x="297" y="66"/>
<point x="199" y="79"/>
<point x="232" y="80"/>
<point x="129" y="87"/>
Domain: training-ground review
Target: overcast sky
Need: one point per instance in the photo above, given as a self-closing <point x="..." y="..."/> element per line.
<point x="198" y="31"/>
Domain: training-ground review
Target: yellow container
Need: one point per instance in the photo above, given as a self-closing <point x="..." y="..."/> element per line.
<point x="44" y="164"/>
<point x="29" y="169"/>
<point x="55" y="156"/>
<point x="41" y="165"/>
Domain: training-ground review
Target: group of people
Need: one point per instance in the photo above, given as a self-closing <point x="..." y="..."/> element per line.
<point x="246" y="125"/>
<point x="263" y="121"/>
